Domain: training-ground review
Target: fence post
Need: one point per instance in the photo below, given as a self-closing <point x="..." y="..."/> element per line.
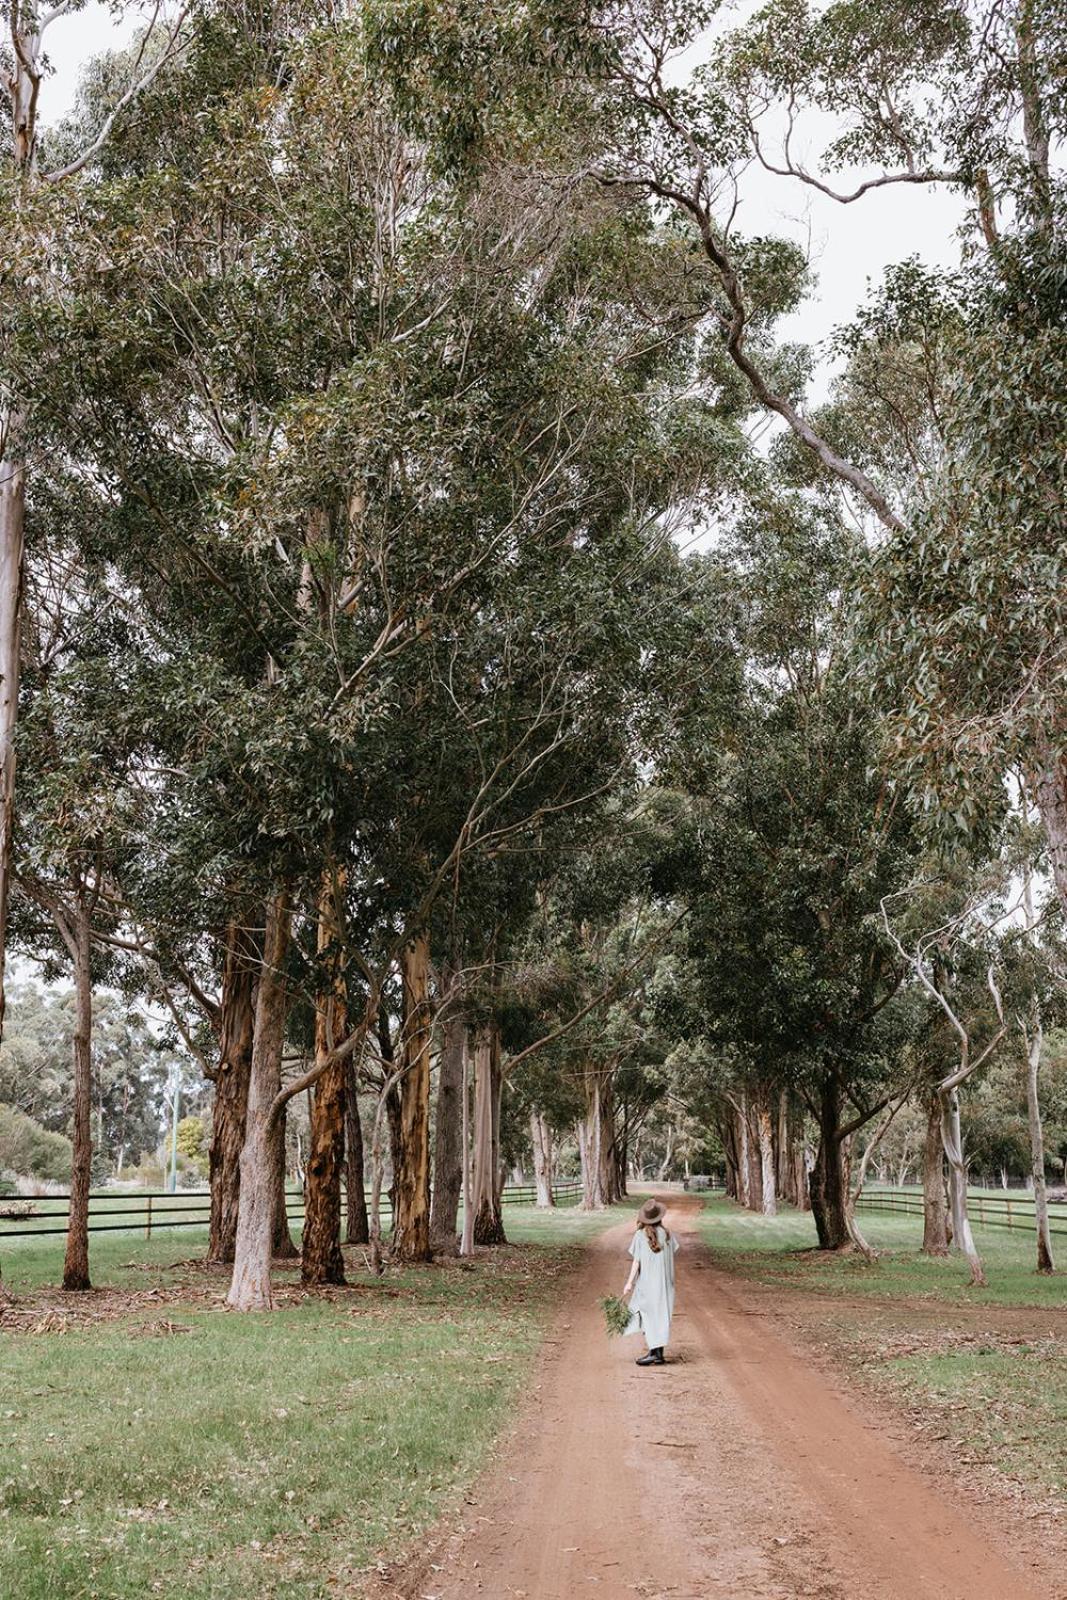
<point x="148" y="1220"/>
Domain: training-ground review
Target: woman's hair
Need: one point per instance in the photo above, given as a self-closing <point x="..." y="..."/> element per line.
<point x="652" y="1234"/>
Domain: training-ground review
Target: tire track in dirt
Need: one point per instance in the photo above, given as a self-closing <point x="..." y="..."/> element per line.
<point x="736" y="1472"/>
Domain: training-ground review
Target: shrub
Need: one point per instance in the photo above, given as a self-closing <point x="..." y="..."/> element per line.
<point x="28" y="1150"/>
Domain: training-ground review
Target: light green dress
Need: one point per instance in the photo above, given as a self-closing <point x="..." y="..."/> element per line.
<point x="652" y="1301"/>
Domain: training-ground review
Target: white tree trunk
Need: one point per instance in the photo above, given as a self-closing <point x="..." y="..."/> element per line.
<point x="744" y="1176"/>
<point x="668" y="1154"/>
<point x="12" y="527"/>
<point x="1050" y="790"/>
<point x="466" y="1243"/>
<point x="541" y="1139"/>
<point x="952" y="1139"/>
<point x="250" y="1287"/>
<point x="766" y="1152"/>
<point x="591" y="1146"/>
<point x="1035" y="1045"/>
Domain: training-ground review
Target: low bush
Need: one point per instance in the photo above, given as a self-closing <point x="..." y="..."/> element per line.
<point x="28" y="1150"/>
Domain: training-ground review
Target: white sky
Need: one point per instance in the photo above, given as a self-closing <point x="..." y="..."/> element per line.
<point x="849" y="246"/>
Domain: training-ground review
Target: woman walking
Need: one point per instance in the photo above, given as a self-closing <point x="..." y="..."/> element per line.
<point x="652" y="1306"/>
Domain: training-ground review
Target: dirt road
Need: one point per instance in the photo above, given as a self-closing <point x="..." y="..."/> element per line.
<point x="737" y="1471"/>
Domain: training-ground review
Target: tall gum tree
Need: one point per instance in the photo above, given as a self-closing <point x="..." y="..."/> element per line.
<point x="786" y="837"/>
<point x="22" y="76"/>
<point x="209" y="433"/>
<point x="963" y="98"/>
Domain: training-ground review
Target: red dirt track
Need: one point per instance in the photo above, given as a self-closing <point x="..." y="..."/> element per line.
<point x="737" y="1472"/>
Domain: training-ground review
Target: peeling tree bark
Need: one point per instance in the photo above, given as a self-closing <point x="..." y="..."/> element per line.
<point x="591" y="1144"/>
<point x="488" y="1218"/>
<point x="12" y="530"/>
<point x="1049" y="784"/>
<point x="952" y="1140"/>
<point x="236" y="1025"/>
<point x="744" y="1160"/>
<point x="541" y="1139"/>
<point x="283" y="1247"/>
<point x="448" y="1139"/>
<point x="250" y="1287"/>
<point x="935" y="1207"/>
<point x="411" y="1217"/>
<point x="321" y="1259"/>
<point x="76" y="1261"/>
<point x="769" y="1196"/>
<point x="1034" y="1041"/>
<point x="357" y="1225"/>
<point x="599" y="1171"/>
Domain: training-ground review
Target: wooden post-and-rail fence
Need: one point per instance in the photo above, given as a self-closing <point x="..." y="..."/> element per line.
<point x="148" y="1210"/>
<point x="987" y="1211"/>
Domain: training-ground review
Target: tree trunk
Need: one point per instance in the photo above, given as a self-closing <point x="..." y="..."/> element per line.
<point x="321" y="1260"/>
<point x="668" y="1154"/>
<point x="801" y="1162"/>
<point x="250" y="1288"/>
<point x="411" y="1218"/>
<point x="829" y="1189"/>
<point x="466" y="1240"/>
<point x="744" y="1161"/>
<point x="12" y="535"/>
<point x="1034" y="1046"/>
<point x="620" y="1145"/>
<point x="609" y="1157"/>
<point x="767" y="1168"/>
<point x="935" y="1209"/>
<point x="396" y="1142"/>
<point x="1050" y="791"/>
<point x="783" y="1151"/>
<point x="236" y="1027"/>
<point x="76" y="1262"/>
<point x="488" y="1225"/>
<point x="448" y="1139"/>
<point x="283" y="1247"/>
<point x="541" y="1139"/>
<point x="596" y="1139"/>
<point x="357" y="1226"/>
<point x="755" y="1165"/>
<point x="952" y="1141"/>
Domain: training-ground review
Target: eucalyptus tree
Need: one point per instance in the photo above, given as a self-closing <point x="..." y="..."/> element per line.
<point x="961" y="371"/>
<point x="952" y="952"/>
<point x="787" y="836"/>
<point x="314" y="487"/>
<point x="23" y="72"/>
<point x="966" y="98"/>
<point x="80" y="816"/>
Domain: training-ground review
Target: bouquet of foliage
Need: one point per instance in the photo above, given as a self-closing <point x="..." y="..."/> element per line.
<point x="616" y="1314"/>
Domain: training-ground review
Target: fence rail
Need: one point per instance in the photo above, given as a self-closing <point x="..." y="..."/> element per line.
<point x="153" y="1209"/>
<point x="985" y="1210"/>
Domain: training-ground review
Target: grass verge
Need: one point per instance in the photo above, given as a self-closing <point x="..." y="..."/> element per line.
<point x="153" y="1443"/>
<point x="981" y="1370"/>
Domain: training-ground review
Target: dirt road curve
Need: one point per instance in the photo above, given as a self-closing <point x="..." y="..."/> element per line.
<point x="736" y="1472"/>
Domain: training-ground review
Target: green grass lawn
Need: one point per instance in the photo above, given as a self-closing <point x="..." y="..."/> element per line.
<point x="984" y="1370"/>
<point x="153" y="1443"/>
<point x="783" y="1248"/>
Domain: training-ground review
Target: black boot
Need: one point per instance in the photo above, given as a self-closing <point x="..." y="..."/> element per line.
<point x="655" y="1358"/>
